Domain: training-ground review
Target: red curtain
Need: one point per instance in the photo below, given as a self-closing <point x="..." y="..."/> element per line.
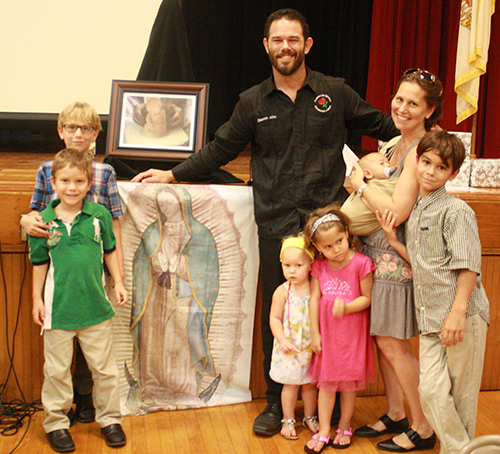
<point x="488" y="127"/>
<point x="413" y="34"/>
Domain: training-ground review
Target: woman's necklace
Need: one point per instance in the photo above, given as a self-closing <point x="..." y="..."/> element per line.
<point x="290" y="322"/>
<point x="398" y="151"/>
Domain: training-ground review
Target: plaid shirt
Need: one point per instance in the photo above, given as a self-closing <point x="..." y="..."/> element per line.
<point x="103" y="190"/>
<point x="442" y="239"/>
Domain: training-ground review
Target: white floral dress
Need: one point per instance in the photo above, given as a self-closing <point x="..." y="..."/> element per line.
<point x="292" y="368"/>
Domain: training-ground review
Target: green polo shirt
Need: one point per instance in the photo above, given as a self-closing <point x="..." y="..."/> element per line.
<point x="74" y="289"/>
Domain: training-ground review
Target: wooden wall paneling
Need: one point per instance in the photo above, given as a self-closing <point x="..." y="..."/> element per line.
<point x="27" y="348"/>
<point x="491" y="282"/>
<point x="15" y="192"/>
<point x="486" y="205"/>
<point x="258" y="385"/>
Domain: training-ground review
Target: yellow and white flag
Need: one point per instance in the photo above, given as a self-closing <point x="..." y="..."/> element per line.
<point x="472" y="53"/>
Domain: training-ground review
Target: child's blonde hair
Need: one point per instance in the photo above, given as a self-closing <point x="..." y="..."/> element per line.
<point x="70" y="157"/>
<point x="80" y="112"/>
<point x="322" y="220"/>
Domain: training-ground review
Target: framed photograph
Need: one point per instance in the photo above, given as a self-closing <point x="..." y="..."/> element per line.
<point x="158" y="120"/>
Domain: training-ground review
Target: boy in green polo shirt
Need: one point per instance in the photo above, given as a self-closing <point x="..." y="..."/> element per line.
<point x="69" y="264"/>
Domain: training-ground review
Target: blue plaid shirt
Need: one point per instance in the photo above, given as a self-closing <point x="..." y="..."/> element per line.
<point x="103" y="190"/>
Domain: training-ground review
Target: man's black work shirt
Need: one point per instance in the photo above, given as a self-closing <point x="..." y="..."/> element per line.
<point x="297" y="162"/>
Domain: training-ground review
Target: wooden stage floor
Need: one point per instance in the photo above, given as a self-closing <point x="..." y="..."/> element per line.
<point x="218" y="430"/>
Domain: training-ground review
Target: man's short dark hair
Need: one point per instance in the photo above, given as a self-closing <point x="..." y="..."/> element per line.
<point x="289" y="14"/>
<point x="447" y="146"/>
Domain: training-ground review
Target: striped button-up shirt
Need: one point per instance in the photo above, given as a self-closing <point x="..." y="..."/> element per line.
<point x="442" y="239"/>
<point x="104" y="189"/>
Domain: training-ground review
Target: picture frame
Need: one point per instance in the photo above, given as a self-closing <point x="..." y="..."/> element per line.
<point x="157" y="120"/>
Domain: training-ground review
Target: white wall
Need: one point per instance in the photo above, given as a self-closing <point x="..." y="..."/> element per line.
<point x="53" y="52"/>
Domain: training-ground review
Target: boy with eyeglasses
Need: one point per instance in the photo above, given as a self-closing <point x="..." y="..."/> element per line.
<point x="78" y="126"/>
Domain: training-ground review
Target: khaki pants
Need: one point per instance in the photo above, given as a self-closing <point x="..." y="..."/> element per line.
<point x="57" y="393"/>
<point x="450" y="379"/>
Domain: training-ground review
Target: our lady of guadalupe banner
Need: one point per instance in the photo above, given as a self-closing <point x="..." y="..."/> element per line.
<point x="184" y="339"/>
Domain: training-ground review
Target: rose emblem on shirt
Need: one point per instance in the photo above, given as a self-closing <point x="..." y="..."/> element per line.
<point x="323" y="103"/>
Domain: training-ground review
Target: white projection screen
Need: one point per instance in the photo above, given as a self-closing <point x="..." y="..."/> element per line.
<point x="54" y="52"/>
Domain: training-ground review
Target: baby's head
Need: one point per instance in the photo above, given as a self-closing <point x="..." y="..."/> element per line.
<point x="376" y="166"/>
<point x="295" y="259"/>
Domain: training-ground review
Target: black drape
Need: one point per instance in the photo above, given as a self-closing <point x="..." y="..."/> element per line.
<point x="225" y="43"/>
<point x="167" y="56"/>
<point x="221" y="44"/>
<point x="167" y="59"/>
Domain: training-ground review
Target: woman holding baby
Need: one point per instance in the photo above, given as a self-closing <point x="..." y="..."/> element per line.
<point x="415" y="108"/>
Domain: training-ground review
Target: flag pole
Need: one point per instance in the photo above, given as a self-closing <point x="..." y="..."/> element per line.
<point x="473" y="136"/>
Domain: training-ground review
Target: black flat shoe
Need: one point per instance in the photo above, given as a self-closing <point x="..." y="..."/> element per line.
<point x="420" y="444"/>
<point x="85" y="411"/>
<point x="60" y="440"/>
<point x="392" y="427"/>
<point x="72" y="417"/>
<point x="114" y="435"/>
<point x="268" y="423"/>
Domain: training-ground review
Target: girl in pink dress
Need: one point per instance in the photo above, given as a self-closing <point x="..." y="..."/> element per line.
<point x="341" y="287"/>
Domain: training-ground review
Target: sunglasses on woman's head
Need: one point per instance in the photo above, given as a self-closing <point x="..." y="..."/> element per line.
<point x="422" y="73"/>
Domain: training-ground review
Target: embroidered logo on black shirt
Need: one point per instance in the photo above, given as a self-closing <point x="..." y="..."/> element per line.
<point x="323" y="103"/>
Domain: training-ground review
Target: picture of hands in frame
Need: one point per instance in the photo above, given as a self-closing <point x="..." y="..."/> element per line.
<point x="157" y="120"/>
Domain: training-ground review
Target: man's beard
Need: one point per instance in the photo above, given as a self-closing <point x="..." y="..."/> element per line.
<point x="288" y="70"/>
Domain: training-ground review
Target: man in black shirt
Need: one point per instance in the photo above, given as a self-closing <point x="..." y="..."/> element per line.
<point x="296" y="122"/>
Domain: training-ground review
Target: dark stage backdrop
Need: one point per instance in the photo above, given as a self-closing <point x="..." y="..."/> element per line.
<point x="225" y="43"/>
<point x="368" y="42"/>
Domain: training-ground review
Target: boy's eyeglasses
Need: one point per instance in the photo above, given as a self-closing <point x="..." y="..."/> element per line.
<point x="74" y="128"/>
<point x="422" y="73"/>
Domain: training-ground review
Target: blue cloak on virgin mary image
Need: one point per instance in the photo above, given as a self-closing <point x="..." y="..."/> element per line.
<point x="194" y="277"/>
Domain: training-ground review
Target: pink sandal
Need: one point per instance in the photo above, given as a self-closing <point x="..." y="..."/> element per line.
<point x="324" y="440"/>
<point x="347" y="433"/>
